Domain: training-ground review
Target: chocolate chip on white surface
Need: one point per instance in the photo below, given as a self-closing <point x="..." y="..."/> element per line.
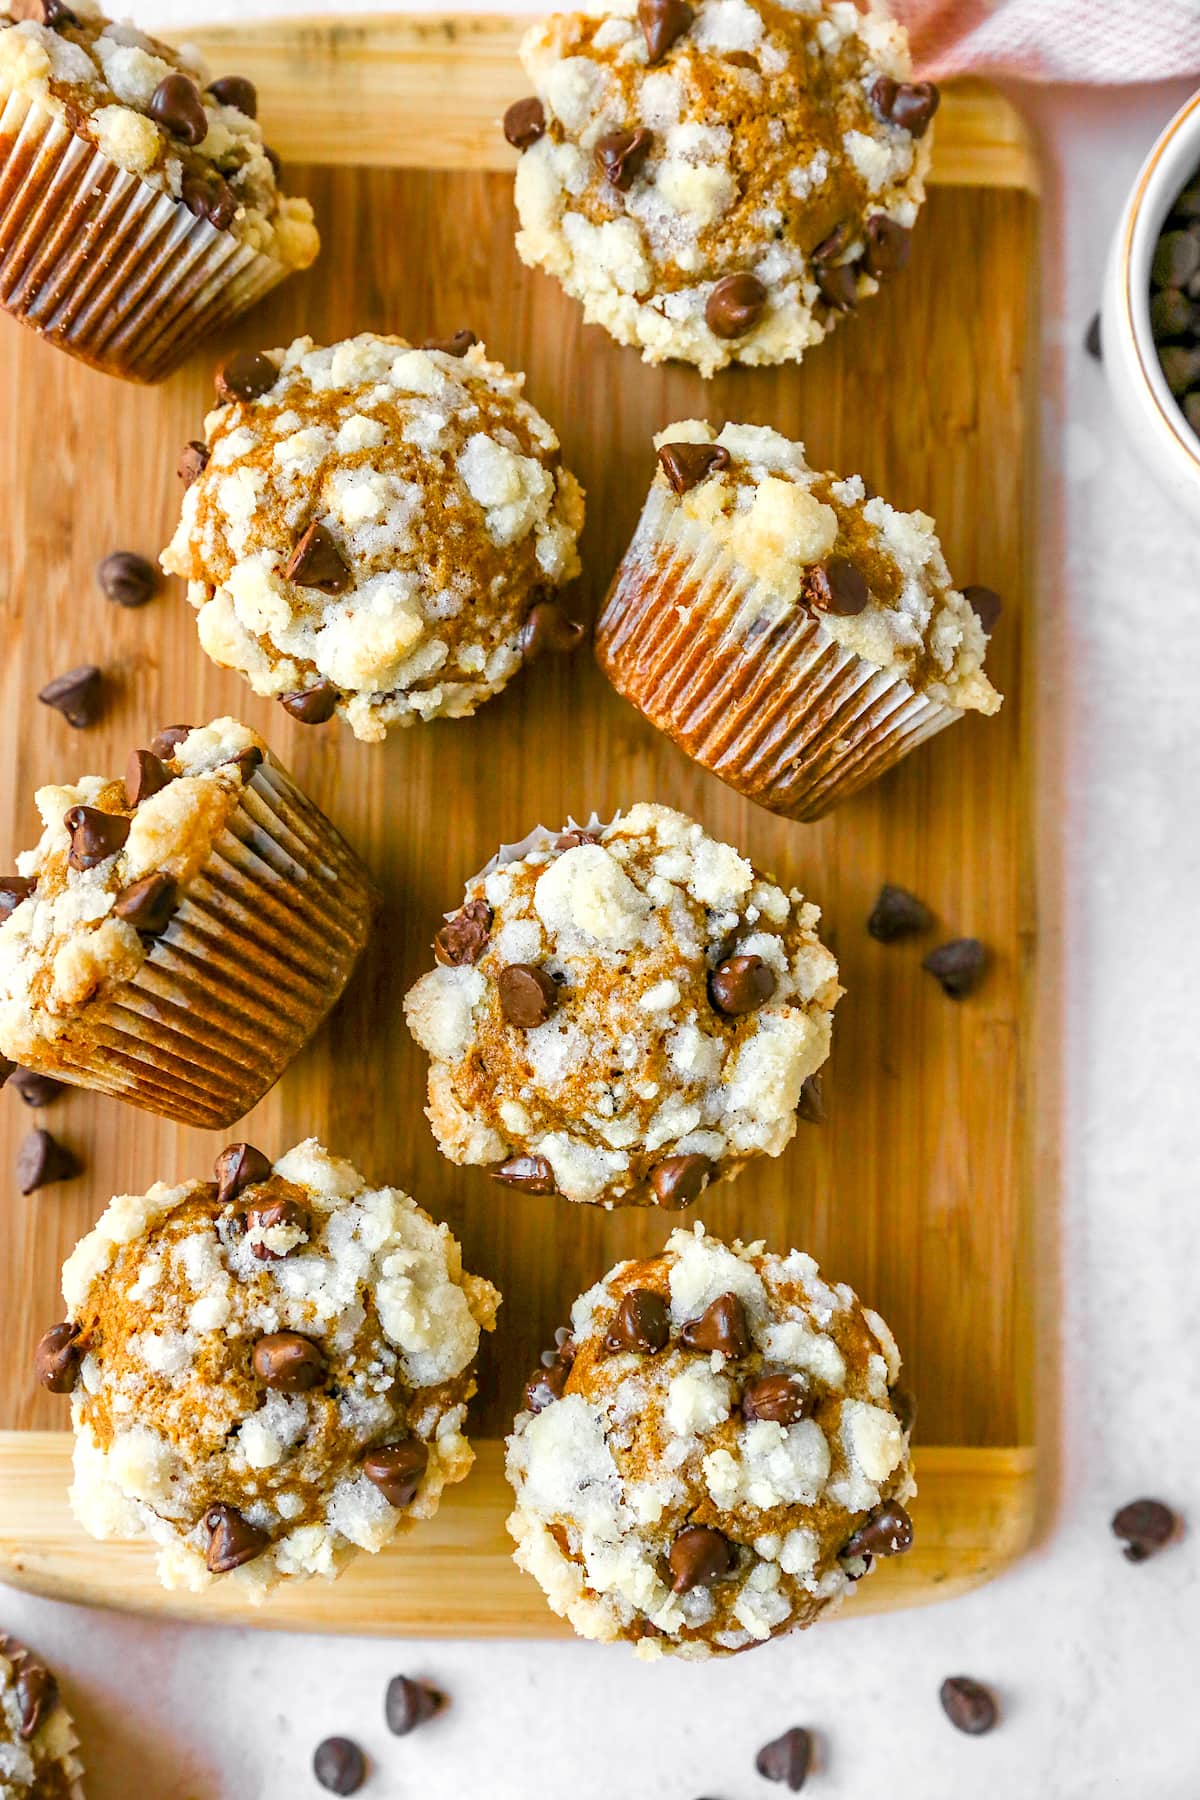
<point x="787" y="1759"/>
<point x="969" y="1706"/>
<point x="408" y="1704"/>
<point x="339" y="1765"/>
<point x="1145" y="1526"/>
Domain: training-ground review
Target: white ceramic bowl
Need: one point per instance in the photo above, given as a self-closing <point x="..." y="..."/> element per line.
<point x="1147" y="407"/>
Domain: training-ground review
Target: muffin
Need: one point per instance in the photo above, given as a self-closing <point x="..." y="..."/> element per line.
<point x="714" y="1455"/>
<point x="376" y="530"/>
<point x="268" y="1371"/>
<point x="719" y="182"/>
<point x="791" y="631"/>
<point x="623" y="1014"/>
<point x="38" y="1744"/>
<point x="139" y="206"/>
<point x="177" y="937"/>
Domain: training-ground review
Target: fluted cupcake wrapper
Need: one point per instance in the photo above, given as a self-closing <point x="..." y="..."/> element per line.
<point x="260" y="948"/>
<point x="66" y="1746"/>
<point x="105" y="265"/>
<point x="758" y="693"/>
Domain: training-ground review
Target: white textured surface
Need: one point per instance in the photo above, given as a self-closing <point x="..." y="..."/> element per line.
<point x="1096" y="1662"/>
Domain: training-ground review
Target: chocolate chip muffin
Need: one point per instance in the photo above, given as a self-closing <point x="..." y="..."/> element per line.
<point x="715" y="1453"/>
<point x="176" y="937"/>
<point x="791" y="631"/>
<point x="719" y="182"/>
<point x="623" y="1014"/>
<point x="142" y="208"/>
<point x="38" y="1745"/>
<point x="376" y="530"/>
<point x="268" y="1371"/>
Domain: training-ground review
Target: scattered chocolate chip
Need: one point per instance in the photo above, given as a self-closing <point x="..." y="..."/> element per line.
<point x="787" y="1758"/>
<point x="741" y="984"/>
<point x="909" y="104"/>
<point x="164" y="743"/>
<point x="780" y="1399"/>
<point x="193" y="460"/>
<point x="687" y="465"/>
<point x="837" y="284"/>
<point x="641" y="1323"/>
<point x="36" y="1090"/>
<point x="408" y="1704"/>
<point x="53" y="13"/>
<point x="316" y="562"/>
<point x="232" y="1540"/>
<point x="986" y="604"/>
<point x="42" y="1160"/>
<point x="149" y="904"/>
<point x="314" y="705"/>
<point x="95" y="835"/>
<point x="721" y="1326"/>
<point x="1145" y="1525"/>
<point x="662" y="22"/>
<point x="680" y="1180"/>
<point x="622" y="155"/>
<point x="810" y="1108"/>
<point x="176" y="105"/>
<point x="208" y="196"/>
<point x="525" y="122"/>
<point x="14" y="889"/>
<point x="1091" y="342"/>
<point x="128" y="579"/>
<point x="239" y="1166"/>
<point x="967" y="1704"/>
<point x="835" y="586"/>
<point x="396" y="1470"/>
<point x="145" y="774"/>
<point x="1176" y="259"/>
<point x="464" y="938"/>
<point x="78" y="695"/>
<point x="235" y="90"/>
<point x="246" y="375"/>
<point x="527" y="995"/>
<point x="959" y="966"/>
<point x="458" y="345"/>
<point x="889" y="246"/>
<point x="37" y="1694"/>
<point x="339" y="1765"/>
<point x="735" y="305"/>
<point x="548" y="628"/>
<point x="270" y="1216"/>
<point x="57" y="1357"/>
<point x="698" y="1557"/>
<point x="897" y="914"/>
<point x="904" y="1405"/>
<point x="532" y="1174"/>
<point x="289" y="1362"/>
<point x="886" y="1531"/>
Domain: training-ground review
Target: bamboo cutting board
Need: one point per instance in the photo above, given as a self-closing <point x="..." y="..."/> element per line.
<point x="926" y="1186"/>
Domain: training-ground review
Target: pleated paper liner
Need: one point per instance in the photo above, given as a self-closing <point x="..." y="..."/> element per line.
<point x="63" y="1743"/>
<point x="764" y="697"/>
<point x="259" y="950"/>
<point x="103" y="264"/>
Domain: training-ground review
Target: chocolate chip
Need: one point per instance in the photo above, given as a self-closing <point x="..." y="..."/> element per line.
<point x="959" y="966"/>
<point x="396" y="1470"/>
<point x="339" y="1765"/>
<point x="889" y="246"/>
<point x="57" y="1357"/>
<point x="128" y="579"/>
<point x="525" y="122"/>
<point x="235" y="90"/>
<point x="149" y="904"/>
<point x="52" y="13"/>
<point x="967" y="1704"/>
<point x="837" y="284"/>
<point x="835" y="586"/>
<point x="408" y="1704"/>
<point x="1145" y="1525"/>
<point x="1091" y="342"/>
<point x="622" y="155"/>
<point x="909" y="104"/>
<point x="532" y="1174"/>
<point x="316" y="562"/>
<point x="687" y="465"/>
<point x="897" y="914"/>
<point x="662" y="21"/>
<point x="208" y="196"/>
<point x="721" y="1326"/>
<point x="548" y="628"/>
<point x="904" y="1405"/>
<point x="13" y="890"/>
<point x="458" y="345"/>
<point x="527" y="995"/>
<point x="545" y="1386"/>
<point x="42" y="1160"/>
<point x="680" y="1180"/>
<point x="246" y="375"/>
<point x="275" y="160"/>
<point x="145" y="774"/>
<point x="270" y="1216"/>
<point x="886" y="1531"/>
<point x="698" y="1557"/>
<point x="232" y="1540"/>
<point x="78" y="695"/>
<point x="36" y="1692"/>
<point x="164" y="743"/>
<point x="239" y="1166"/>
<point x="314" y="705"/>
<point x="36" y="1090"/>
<point x="810" y="1108"/>
<point x="176" y="105"/>
<point x="781" y="1399"/>
<point x="1176" y="259"/>
<point x="735" y="305"/>
<point x="95" y="835"/>
<point x="787" y="1758"/>
<point x="289" y="1362"/>
<point x="641" y="1323"/>
<point x="570" y="840"/>
<point x="741" y="984"/>
<point x="464" y="938"/>
<point x="986" y="604"/>
<point x="193" y="460"/>
<point x="246" y="762"/>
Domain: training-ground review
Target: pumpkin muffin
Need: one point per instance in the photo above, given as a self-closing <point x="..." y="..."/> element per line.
<point x="38" y="1745"/>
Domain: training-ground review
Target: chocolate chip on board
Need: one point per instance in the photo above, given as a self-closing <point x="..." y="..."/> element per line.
<point x="622" y="155"/>
<point x="408" y="1704"/>
<point x="528" y="995"/>
<point x="464" y="938"/>
<point x="958" y="966"/>
<point x="339" y="1765"/>
<point x="246" y="375"/>
<point x="127" y="578"/>
<point x="145" y="774"/>
<point x="95" y="835"/>
<point x="288" y="1361"/>
<point x="687" y="465"/>
<point x="314" y="705"/>
<point x="42" y="1161"/>
<point x="36" y="1090"/>
<point x="662" y="22"/>
<point x="735" y="305"/>
<point x="176" y="105"/>
<point x="721" y="1326"/>
<point x="532" y="1174"/>
<point x="316" y="562"/>
<point x="232" y="1540"/>
<point x="679" y="1181"/>
<point x="1145" y="1526"/>
<point x="13" y="890"/>
<point x="640" y="1324"/>
<point x="741" y="984"/>
<point x="57" y="1357"/>
<point x="193" y="460"/>
<point x="886" y="1531"/>
<point x="396" y="1470"/>
<point x="78" y="695"/>
<point x="235" y="90"/>
<point x="698" y="1557"/>
<point x="787" y="1759"/>
<point x="457" y="345"/>
<point x="968" y="1705"/>
<point x="239" y="1166"/>
<point x="149" y="904"/>
<point x="548" y="628"/>
<point x="780" y="1399"/>
<point x="525" y="122"/>
<point x="897" y="914"/>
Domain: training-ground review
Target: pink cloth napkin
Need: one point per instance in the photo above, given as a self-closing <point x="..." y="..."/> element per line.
<point x="1054" y="40"/>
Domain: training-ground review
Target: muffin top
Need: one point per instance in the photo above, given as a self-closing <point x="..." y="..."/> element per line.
<point x="268" y="1370"/>
<point x="370" y="529"/>
<point x="37" y="1738"/>
<point x="875" y="577"/>
<point x="719" y="181"/>
<point x="713" y="1455"/>
<point x="112" y="865"/>
<point x="153" y="111"/>
<point x="623" y="1014"/>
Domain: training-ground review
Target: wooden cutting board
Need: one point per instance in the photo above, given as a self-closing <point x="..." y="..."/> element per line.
<point x="933" y="1177"/>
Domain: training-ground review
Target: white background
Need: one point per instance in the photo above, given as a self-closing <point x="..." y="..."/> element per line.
<point x="1097" y="1663"/>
